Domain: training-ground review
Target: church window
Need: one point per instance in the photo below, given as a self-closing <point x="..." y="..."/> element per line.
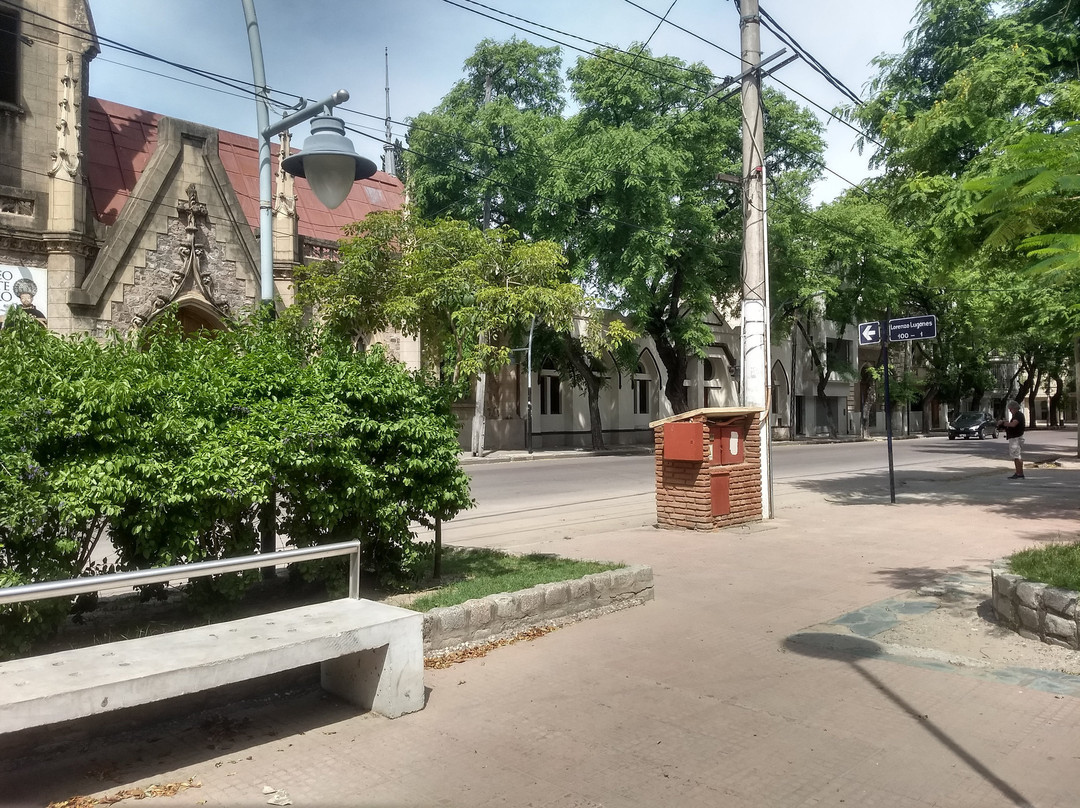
<point x="9" y="57"/>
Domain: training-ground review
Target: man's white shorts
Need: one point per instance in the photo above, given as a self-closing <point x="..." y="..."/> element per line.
<point x="1016" y="448"/>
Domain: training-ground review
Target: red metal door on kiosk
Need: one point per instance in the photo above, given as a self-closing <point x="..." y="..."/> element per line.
<point x="728" y="445"/>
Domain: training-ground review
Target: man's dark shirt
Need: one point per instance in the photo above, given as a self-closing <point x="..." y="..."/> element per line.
<point x="1018" y="430"/>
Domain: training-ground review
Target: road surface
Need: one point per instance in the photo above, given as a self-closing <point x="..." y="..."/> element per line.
<point x="522" y="504"/>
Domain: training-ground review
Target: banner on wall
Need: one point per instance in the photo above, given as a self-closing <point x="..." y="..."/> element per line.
<point x="26" y="287"/>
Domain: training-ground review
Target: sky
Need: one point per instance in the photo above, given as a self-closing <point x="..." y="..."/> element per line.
<point x="316" y="47"/>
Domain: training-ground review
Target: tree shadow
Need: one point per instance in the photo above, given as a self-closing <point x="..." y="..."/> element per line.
<point x="1046" y="493"/>
<point x="914" y="578"/>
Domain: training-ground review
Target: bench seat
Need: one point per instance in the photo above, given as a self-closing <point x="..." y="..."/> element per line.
<point x="371" y="654"/>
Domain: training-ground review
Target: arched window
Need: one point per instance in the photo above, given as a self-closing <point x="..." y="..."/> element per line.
<point x="642" y="391"/>
<point x="550" y="389"/>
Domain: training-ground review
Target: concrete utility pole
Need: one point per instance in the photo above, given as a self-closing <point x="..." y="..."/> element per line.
<point x="754" y="362"/>
<point x="479" y="431"/>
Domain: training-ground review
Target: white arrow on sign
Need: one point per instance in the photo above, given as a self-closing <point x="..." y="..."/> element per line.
<point x="868" y="333"/>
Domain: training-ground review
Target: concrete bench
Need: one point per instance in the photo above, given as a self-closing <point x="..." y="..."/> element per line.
<point x="371" y="654"/>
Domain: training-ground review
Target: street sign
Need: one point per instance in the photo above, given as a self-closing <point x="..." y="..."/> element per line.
<point x="901" y="329"/>
<point x="869" y="333"/>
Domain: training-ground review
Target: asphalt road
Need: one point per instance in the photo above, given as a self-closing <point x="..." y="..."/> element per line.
<point x="528" y="503"/>
<point x="799" y="461"/>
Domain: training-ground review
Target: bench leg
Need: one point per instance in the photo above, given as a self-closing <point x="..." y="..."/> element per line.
<point x="388" y="680"/>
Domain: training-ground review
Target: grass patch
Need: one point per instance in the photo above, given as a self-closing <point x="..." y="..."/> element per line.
<point x="479" y="573"/>
<point x="1054" y="564"/>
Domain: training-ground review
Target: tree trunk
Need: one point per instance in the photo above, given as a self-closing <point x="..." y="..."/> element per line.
<point x="596" y="429"/>
<point x="1031" y="393"/>
<point x="592" y="390"/>
<point x="1055" y="401"/>
<point x="929" y="401"/>
<point x="976" y="398"/>
<point x="830" y="416"/>
<point x="675" y="364"/>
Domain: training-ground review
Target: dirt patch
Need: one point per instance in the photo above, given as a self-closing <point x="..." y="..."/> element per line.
<point x="963" y="628"/>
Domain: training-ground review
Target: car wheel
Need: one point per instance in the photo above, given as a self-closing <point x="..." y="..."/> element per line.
<point x="952" y="437"/>
<point x="980" y="434"/>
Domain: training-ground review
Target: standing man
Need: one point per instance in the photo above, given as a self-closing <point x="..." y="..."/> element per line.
<point x="1013" y="422"/>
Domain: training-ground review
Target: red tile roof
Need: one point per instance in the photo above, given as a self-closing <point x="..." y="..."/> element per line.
<point x="120" y="141"/>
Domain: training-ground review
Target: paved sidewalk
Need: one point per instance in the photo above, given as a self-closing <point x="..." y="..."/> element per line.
<point x="724" y="691"/>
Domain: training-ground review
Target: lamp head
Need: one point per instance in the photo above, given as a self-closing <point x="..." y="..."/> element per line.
<point x="328" y="161"/>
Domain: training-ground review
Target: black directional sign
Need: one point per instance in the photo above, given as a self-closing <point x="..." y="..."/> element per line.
<point x="869" y="333"/>
<point x="901" y="329"/>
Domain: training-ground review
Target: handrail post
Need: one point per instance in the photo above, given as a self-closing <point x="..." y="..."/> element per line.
<point x="354" y="573"/>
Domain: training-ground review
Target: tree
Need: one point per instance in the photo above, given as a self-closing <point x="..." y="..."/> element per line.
<point x="967" y="122"/>
<point x="579" y="356"/>
<point x="482" y="156"/>
<point x="859" y="263"/>
<point x="481" y="153"/>
<point x="645" y="216"/>
<point x="445" y="281"/>
<point x="1030" y="201"/>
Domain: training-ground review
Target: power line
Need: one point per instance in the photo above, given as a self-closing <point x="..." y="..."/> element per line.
<point x="85" y="35"/>
<point x="155" y="200"/>
<point x="592" y="42"/>
<point x="247" y="90"/>
<point x="575" y="47"/>
<point x="789" y="40"/>
<point x="828" y="112"/>
<point x="641" y="50"/>
<point x="685" y="30"/>
<point x="245" y="95"/>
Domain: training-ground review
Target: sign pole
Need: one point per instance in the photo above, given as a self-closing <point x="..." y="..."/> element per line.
<point x="888" y="405"/>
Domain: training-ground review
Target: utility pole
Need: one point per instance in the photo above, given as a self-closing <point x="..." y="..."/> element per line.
<point x="480" y="413"/>
<point x="754" y="361"/>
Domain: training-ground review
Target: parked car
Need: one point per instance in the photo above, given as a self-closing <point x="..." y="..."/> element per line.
<point x="973" y="425"/>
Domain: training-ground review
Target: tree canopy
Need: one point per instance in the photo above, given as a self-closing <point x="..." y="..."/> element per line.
<point x="972" y="125"/>
<point x="443" y="280"/>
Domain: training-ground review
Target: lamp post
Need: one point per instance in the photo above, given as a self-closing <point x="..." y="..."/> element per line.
<point x="329" y="163"/>
<point x="327" y="160"/>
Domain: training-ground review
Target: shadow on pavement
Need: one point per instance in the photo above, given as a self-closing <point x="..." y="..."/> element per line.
<point x="1047" y="492"/>
<point x="855" y="650"/>
<point x="111" y="759"/>
<point x="912" y="578"/>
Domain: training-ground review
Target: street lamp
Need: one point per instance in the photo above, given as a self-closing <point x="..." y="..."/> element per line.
<point x="328" y="160"/>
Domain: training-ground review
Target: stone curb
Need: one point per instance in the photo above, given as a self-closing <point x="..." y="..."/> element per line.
<point x="506" y="614"/>
<point x="1036" y="611"/>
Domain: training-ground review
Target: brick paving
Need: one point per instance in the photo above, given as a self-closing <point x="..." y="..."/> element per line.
<point x="715" y="694"/>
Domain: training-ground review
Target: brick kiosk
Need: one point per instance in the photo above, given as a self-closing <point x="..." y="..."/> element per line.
<point x="708" y="468"/>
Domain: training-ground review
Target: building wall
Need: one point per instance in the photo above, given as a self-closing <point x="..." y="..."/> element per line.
<point x="43" y="206"/>
<point x="115" y="214"/>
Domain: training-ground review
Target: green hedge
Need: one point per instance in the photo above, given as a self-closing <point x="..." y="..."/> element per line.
<point x="168" y="447"/>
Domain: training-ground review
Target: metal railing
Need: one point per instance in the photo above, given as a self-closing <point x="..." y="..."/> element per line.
<point x="199" y="569"/>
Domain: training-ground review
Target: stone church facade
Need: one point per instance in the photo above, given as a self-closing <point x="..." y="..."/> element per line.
<point x="109" y="215"/>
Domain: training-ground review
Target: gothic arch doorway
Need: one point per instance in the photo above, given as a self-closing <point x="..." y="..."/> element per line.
<point x="194" y="320"/>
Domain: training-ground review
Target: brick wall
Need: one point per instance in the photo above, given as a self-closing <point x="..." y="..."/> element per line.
<point x="684" y="487"/>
